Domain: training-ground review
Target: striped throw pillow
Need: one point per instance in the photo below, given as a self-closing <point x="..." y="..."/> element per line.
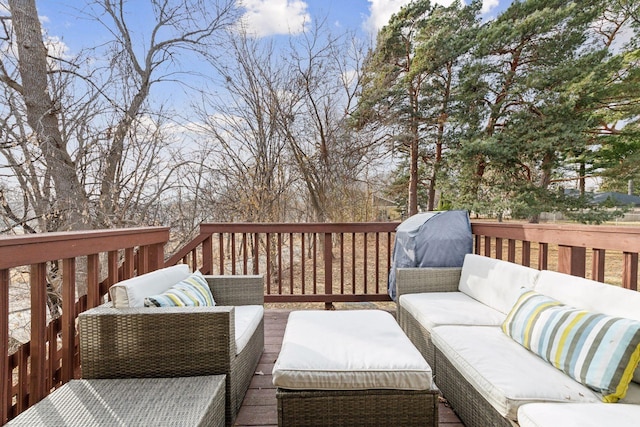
<point x="599" y="351"/>
<point x="192" y="291"/>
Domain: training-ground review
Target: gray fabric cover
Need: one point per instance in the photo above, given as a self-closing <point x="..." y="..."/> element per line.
<point x="431" y="239"/>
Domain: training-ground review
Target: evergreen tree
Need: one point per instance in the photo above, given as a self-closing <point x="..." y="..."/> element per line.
<point x="442" y="44"/>
<point x="526" y="112"/>
<point x="391" y="96"/>
<point x="409" y="91"/>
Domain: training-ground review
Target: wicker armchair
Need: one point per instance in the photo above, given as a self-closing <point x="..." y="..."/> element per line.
<point x="176" y="341"/>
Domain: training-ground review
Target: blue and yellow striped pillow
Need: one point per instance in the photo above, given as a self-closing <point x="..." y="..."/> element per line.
<point x="596" y="350"/>
<point x="192" y="291"/>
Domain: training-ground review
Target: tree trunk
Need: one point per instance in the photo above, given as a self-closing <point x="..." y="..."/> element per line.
<point x="42" y="115"/>
<point x="583" y="172"/>
<point x="414" y="152"/>
<point x="413" y="178"/>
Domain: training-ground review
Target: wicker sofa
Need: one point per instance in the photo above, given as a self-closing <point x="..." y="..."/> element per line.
<point x="455" y="317"/>
<point x="137" y="342"/>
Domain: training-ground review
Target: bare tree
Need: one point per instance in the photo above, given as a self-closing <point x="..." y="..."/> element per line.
<point x="241" y="127"/>
<point x="323" y="80"/>
<point x="42" y="113"/>
<point x="85" y="146"/>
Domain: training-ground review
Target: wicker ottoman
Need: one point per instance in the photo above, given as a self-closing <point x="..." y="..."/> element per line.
<point x="183" y="401"/>
<point x="339" y="368"/>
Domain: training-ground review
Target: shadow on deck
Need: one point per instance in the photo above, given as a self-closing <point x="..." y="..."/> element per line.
<point x="259" y="407"/>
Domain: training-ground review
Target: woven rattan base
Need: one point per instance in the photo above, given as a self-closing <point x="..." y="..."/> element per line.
<point x="357" y="407"/>
<point x="182" y="401"/>
<point x="419" y="336"/>
<point x="467" y="402"/>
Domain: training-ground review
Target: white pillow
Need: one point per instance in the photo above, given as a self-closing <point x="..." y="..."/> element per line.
<point x="131" y="292"/>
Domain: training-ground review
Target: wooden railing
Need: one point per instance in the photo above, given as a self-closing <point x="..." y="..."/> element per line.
<point x="302" y="262"/>
<point x="565" y="248"/>
<point x="50" y="358"/>
<point x="323" y="263"/>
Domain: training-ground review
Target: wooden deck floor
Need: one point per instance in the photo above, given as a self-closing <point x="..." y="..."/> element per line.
<point x="259" y="406"/>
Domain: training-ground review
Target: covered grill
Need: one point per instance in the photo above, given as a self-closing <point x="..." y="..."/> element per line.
<point x="431" y="239"/>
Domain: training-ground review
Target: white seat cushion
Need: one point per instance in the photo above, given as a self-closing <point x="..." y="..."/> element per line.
<point x="506" y="374"/>
<point x="247" y="319"/>
<point x="578" y="415"/>
<point x="494" y="282"/>
<point x="131" y="292"/>
<point x="433" y="309"/>
<point x="348" y="350"/>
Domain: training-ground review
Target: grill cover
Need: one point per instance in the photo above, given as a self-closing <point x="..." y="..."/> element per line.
<point x="431" y="239"/>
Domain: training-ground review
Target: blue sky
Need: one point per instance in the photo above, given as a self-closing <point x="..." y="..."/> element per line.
<point x="265" y="17"/>
<point x="69" y="30"/>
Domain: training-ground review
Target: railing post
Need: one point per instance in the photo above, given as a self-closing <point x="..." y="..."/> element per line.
<point x="543" y="256"/>
<point x="571" y="260"/>
<point x="93" y="280"/>
<point x="630" y="270"/>
<point x="38" y="377"/>
<point x="5" y="376"/>
<point x="256" y="253"/>
<point x="526" y="253"/>
<point x="112" y="267"/>
<point x="128" y="267"/>
<point x="68" y="318"/>
<point x="156" y="256"/>
<point x="207" y="255"/>
<point x="328" y="269"/>
<point x="597" y="265"/>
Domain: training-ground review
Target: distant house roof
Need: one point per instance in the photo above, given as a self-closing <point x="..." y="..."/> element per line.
<point x="620" y="199"/>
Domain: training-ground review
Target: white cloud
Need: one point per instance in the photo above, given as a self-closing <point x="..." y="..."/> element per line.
<point x="56" y="47"/>
<point x="381" y="11"/>
<point x="270" y="17"/>
<point x="488" y="5"/>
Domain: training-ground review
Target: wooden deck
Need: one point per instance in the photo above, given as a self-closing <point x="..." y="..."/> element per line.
<point x="259" y="407"/>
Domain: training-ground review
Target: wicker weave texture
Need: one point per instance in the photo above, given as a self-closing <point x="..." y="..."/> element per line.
<point x="152" y="342"/>
<point x="243" y="368"/>
<point x="471" y="407"/>
<point x="176" y="341"/>
<point x="237" y="290"/>
<point x="192" y="401"/>
<point x="357" y="408"/>
<point x="418" y="280"/>
<point x="419" y="336"/>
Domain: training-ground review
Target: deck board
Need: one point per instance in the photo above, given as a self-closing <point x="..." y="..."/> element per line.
<point x="259" y="407"/>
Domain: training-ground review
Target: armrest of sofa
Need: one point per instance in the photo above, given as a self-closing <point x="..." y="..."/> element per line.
<point x="237" y="290"/>
<point x="419" y="280"/>
<point x="156" y="342"/>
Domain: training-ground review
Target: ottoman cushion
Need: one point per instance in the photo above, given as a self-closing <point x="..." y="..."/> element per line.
<point x="348" y="350"/>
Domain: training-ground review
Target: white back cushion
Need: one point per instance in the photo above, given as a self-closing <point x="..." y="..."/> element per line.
<point x="589" y="295"/>
<point x="131" y="292"/>
<point x="494" y="282"/>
